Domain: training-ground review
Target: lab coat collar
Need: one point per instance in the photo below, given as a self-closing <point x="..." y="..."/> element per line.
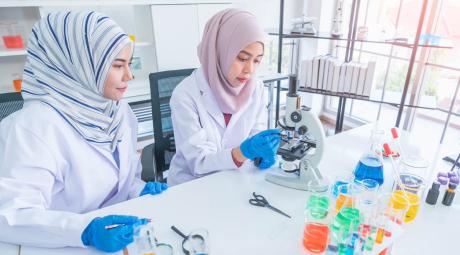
<point x="208" y="98"/>
<point x="109" y="156"/>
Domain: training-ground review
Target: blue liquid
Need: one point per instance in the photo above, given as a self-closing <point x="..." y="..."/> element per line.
<point x="332" y="249"/>
<point x="335" y="188"/>
<point x="369" y="167"/>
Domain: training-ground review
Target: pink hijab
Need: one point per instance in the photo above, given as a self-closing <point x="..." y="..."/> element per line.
<point x="225" y="35"/>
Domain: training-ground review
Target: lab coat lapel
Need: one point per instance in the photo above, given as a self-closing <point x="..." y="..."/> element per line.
<point x="123" y="177"/>
<point x="108" y="156"/>
<point x="208" y="99"/>
<point x="124" y="165"/>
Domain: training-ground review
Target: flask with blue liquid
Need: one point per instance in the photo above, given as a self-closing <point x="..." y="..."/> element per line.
<point x="370" y="166"/>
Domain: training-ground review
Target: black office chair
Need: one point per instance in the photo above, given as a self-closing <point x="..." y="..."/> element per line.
<point x="9" y="103"/>
<point x="162" y="85"/>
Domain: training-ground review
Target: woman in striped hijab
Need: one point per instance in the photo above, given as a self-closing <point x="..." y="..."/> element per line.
<point x="72" y="148"/>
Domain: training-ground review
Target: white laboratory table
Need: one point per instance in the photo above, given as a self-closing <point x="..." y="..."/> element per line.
<point x="219" y="203"/>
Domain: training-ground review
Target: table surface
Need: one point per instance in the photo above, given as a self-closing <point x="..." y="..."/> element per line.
<point x="219" y="203"/>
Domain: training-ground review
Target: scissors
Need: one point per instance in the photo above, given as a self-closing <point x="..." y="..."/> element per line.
<point x="260" y="200"/>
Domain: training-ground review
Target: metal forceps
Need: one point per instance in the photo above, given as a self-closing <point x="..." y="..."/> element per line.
<point x="260" y="200"/>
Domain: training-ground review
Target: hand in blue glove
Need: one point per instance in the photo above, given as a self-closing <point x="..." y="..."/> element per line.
<point x="111" y="233"/>
<point x="153" y="188"/>
<point x="264" y="144"/>
<point x="266" y="163"/>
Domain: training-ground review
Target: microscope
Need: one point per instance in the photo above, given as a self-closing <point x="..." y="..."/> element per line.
<point x="301" y="148"/>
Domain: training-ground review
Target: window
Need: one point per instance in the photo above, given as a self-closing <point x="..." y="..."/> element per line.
<point x="435" y="75"/>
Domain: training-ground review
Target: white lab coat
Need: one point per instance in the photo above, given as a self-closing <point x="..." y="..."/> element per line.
<point x="50" y="176"/>
<point x="203" y="141"/>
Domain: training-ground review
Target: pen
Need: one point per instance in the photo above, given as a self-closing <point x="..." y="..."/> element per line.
<point x="144" y="221"/>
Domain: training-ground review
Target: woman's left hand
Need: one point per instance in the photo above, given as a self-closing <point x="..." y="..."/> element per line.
<point x="153" y="188"/>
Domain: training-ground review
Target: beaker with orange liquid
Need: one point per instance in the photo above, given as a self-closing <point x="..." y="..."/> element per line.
<point x="316" y="230"/>
<point x="17" y="83"/>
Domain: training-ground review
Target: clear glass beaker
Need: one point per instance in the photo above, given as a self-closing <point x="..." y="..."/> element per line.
<point x="146" y="243"/>
<point x="413" y="165"/>
<point x="12" y="33"/>
<point x="413" y="191"/>
<point x="340" y="179"/>
<point x="344" y="197"/>
<point x="163" y="249"/>
<point x="391" y="209"/>
<point x="365" y="188"/>
<point x="344" y="226"/>
<point x="144" y="239"/>
<point x="316" y="230"/>
<point x="197" y="242"/>
<point x="365" y="194"/>
<point x="366" y="198"/>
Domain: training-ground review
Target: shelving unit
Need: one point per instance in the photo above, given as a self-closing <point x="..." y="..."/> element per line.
<point x="351" y="40"/>
<point x="135" y="17"/>
<point x="444" y="44"/>
<point x="12" y="60"/>
<point x="372" y="98"/>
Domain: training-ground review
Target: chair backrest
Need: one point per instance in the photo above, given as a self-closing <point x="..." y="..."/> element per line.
<point x="9" y="103"/>
<point x="162" y="85"/>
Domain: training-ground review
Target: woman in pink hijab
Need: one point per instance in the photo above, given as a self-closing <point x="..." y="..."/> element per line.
<point x="219" y="112"/>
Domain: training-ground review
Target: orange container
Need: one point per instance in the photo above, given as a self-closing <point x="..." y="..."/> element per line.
<point x="17" y="84"/>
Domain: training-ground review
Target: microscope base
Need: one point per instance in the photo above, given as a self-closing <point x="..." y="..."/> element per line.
<point x="295" y="181"/>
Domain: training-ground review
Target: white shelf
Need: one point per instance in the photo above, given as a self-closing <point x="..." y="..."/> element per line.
<point x="9" y="53"/>
<point x="142" y="44"/>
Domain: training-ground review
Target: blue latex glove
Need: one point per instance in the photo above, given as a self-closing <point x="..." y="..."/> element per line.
<point x="153" y="188"/>
<point x="267" y="162"/>
<point x="104" y="234"/>
<point x="264" y="144"/>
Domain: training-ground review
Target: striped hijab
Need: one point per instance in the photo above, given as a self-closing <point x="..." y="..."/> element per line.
<point x="68" y="57"/>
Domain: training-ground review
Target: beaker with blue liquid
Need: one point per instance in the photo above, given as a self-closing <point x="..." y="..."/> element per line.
<point x="370" y="165"/>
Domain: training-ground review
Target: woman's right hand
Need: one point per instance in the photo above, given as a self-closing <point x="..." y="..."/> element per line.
<point x="266" y="163"/>
<point x="111" y="233"/>
<point x="263" y="145"/>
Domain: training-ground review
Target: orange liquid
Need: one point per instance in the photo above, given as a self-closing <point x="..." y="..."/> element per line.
<point x="343" y="200"/>
<point x="17" y="85"/>
<point x="379" y="237"/>
<point x="315" y="237"/>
